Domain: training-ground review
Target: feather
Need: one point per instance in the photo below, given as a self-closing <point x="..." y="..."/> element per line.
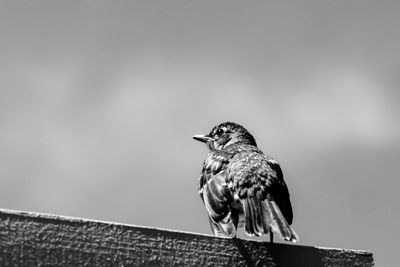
<point x="223" y="228"/>
<point x="262" y="215"/>
<point x="279" y="224"/>
<point x="215" y="201"/>
<point x="266" y="217"/>
<point x="257" y="222"/>
<point x="248" y="226"/>
<point x="216" y="196"/>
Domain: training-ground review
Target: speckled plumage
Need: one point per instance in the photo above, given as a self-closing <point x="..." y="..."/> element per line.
<point x="239" y="185"/>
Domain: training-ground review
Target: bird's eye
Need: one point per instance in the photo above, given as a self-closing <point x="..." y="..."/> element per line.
<point x="220" y="131"/>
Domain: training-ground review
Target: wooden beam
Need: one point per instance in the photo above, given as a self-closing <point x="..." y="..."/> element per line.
<point x="33" y="239"/>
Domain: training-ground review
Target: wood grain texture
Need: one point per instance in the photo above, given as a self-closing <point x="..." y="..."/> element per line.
<point x="32" y="239"/>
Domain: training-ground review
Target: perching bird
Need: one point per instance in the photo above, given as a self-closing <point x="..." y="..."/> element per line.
<point x="239" y="185"/>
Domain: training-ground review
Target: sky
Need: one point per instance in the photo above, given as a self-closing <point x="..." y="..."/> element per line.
<point x="99" y="101"/>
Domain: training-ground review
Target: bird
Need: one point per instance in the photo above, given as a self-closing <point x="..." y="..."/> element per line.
<point x="240" y="186"/>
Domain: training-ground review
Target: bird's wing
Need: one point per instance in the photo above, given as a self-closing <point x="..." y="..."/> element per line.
<point x="214" y="164"/>
<point x="264" y="195"/>
<point x="279" y="191"/>
<point x="216" y="194"/>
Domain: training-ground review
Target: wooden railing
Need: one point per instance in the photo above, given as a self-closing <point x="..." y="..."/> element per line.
<point x="33" y="239"/>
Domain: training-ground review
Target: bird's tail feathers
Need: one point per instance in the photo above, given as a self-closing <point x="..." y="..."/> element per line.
<point x="257" y="222"/>
<point x="279" y="224"/>
<point x="263" y="216"/>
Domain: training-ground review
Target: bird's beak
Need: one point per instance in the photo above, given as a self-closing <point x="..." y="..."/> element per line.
<point x="202" y="138"/>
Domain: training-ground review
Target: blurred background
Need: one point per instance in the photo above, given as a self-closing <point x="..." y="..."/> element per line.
<point x="99" y="100"/>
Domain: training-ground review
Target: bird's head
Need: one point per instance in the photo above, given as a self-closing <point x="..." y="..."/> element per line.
<point x="226" y="134"/>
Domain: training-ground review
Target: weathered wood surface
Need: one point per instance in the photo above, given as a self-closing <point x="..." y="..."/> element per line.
<point x="32" y="239"/>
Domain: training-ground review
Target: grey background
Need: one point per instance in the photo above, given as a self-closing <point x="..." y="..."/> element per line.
<point x="99" y="100"/>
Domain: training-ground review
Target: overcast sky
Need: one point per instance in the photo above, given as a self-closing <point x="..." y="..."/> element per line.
<point x="99" y="100"/>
